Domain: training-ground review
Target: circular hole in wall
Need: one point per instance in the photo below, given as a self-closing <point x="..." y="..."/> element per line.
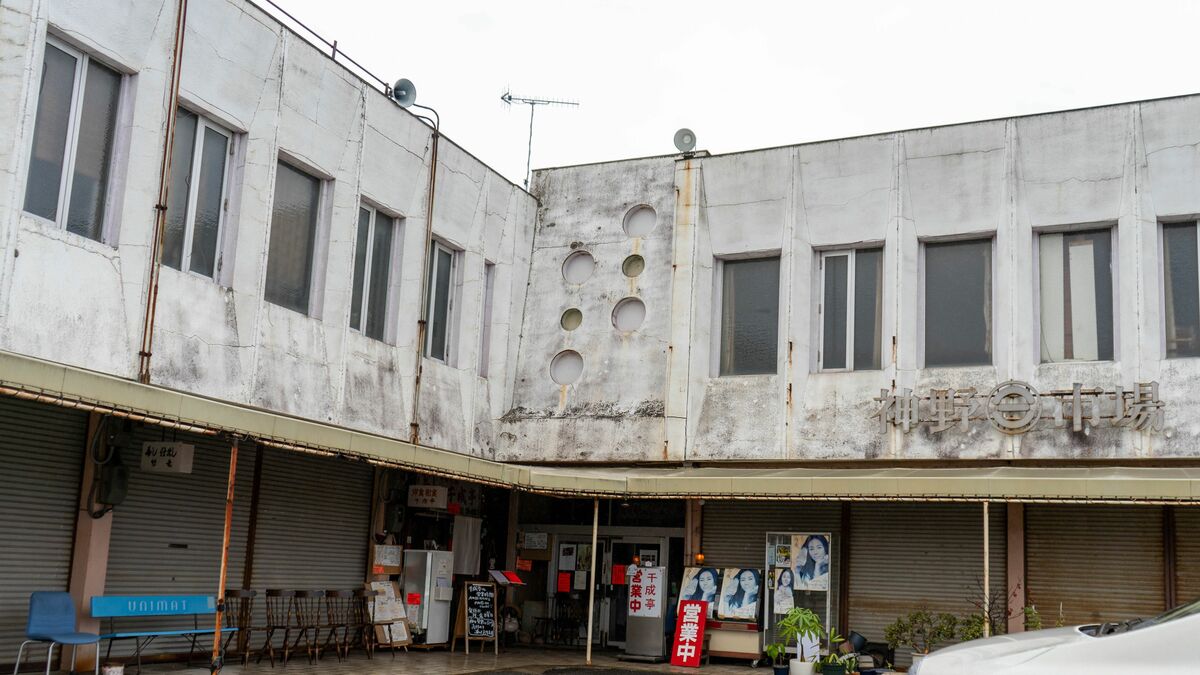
<point x="566" y="367"/>
<point x="571" y="319"/>
<point x="640" y="221"/>
<point x="629" y="314"/>
<point x="633" y="265"/>
<point x="578" y="266"/>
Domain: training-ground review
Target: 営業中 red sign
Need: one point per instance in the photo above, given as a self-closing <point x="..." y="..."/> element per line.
<point x="689" y="634"/>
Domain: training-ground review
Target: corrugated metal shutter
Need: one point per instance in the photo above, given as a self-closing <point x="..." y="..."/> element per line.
<point x="734" y="533"/>
<point x="41" y="456"/>
<point x="1187" y="553"/>
<point x="313" y="522"/>
<point x="1101" y="563"/>
<point x="166" y="537"/>
<point x="908" y="556"/>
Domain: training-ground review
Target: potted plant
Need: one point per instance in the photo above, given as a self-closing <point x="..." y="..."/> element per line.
<point x="921" y="631"/>
<point x="797" y="624"/>
<point x="835" y="662"/>
<point x="777" y="652"/>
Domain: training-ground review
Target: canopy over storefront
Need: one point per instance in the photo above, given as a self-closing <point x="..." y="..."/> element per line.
<point x="54" y="383"/>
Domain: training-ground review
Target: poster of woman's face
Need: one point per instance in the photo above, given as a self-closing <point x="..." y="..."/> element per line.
<point x="701" y="583"/>
<point x="784" y="585"/>
<point x="739" y="594"/>
<point x="811" y="556"/>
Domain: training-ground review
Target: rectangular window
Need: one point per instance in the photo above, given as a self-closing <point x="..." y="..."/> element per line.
<point x="749" y="316"/>
<point x="1181" y="292"/>
<point x="489" y="291"/>
<point x="1076" y="296"/>
<point x="958" y="303"/>
<point x="293" y="238"/>
<point x="851" y="310"/>
<point x="442" y="264"/>
<point x="373" y="260"/>
<point x="196" y="208"/>
<point x="73" y="133"/>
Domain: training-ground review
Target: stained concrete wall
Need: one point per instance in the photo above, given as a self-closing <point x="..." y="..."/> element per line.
<point x="1127" y="166"/>
<point x="81" y="302"/>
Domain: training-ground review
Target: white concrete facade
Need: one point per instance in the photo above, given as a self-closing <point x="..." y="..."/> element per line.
<point x="1130" y="167"/>
<point x="73" y="300"/>
<point x="650" y="394"/>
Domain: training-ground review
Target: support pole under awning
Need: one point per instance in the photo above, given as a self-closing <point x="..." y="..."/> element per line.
<point x="216" y="650"/>
<point x="592" y="577"/>
<point x="987" y="585"/>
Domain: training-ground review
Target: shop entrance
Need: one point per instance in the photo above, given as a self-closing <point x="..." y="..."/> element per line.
<point x="622" y="553"/>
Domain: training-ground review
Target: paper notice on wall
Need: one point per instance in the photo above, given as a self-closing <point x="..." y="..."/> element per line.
<point x="580" y="581"/>
<point x="566" y="557"/>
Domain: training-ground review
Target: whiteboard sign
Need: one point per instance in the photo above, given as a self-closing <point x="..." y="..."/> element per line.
<point x="167" y="457"/>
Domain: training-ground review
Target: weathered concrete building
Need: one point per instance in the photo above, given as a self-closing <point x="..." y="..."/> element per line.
<point x="783" y="340"/>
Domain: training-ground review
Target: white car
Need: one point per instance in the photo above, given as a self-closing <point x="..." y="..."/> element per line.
<point x="1163" y="644"/>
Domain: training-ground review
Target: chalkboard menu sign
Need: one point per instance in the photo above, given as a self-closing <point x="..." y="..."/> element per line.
<point x="476" y="615"/>
<point x="481" y="610"/>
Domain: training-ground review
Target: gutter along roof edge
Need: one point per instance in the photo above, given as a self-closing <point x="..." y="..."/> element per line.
<point x="69" y="386"/>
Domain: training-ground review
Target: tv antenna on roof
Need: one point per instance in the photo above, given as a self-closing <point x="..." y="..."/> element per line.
<point x="533" y="103"/>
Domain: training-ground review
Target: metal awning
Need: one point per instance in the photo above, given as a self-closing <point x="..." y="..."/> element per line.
<point x="58" y="384"/>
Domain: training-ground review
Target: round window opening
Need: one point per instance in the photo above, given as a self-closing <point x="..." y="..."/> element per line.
<point x="571" y="319"/>
<point x="640" y="221"/>
<point x="566" y="367"/>
<point x="633" y="266"/>
<point x="578" y="267"/>
<point x="629" y="314"/>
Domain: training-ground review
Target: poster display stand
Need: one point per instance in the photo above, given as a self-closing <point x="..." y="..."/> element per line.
<point x="389" y="616"/>
<point x="805" y="578"/>
<point x="476" y="617"/>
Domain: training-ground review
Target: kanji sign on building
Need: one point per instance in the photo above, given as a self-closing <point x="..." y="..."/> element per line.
<point x="689" y="634"/>
<point x="646" y="590"/>
<point x="428" y="496"/>
<point x="1015" y="408"/>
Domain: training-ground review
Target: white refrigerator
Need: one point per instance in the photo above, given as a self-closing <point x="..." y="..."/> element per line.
<point x="429" y="579"/>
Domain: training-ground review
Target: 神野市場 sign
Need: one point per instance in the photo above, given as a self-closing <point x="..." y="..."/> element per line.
<point x="1016" y="407"/>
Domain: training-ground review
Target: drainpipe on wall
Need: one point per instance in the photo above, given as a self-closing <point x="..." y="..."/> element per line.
<point x="160" y="208"/>
<point x="422" y="320"/>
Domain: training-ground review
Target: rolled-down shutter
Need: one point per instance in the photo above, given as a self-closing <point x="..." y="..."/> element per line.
<point x="41" y="455"/>
<point x="1187" y="553"/>
<point x="1100" y="563"/>
<point x="313" y="522"/>
<point x="734" y="533"/>
<point x="166" y="536"/>
<point x="909" y="556"/>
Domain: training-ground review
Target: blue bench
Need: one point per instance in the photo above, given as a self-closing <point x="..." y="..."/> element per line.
<point x="114" y="607"/>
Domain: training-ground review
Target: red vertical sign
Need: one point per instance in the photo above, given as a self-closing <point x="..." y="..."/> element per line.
<point x="689" y="634"/>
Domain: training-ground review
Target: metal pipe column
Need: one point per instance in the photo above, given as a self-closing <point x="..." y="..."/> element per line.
<point x="592" y="577"/>
<point x="987" y="586"/>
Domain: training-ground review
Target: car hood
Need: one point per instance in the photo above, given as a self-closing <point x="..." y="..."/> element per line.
<point x="1000" y="651"/>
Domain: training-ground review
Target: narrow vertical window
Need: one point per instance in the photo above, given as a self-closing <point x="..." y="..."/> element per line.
<point x="73" y="137"/>
<point x="373" y="260"/>
<point x="196" y="201"/>
<point x="958" y="303"/>
<point x="440" y="302"/>
<point x="1076" y="296"/>
<point x="293" y="238"/>
<point x="851" y="310"/>
<point x="489" y="292"/>
<point x="749" y="316"/>
<point x="1181" y="301"/>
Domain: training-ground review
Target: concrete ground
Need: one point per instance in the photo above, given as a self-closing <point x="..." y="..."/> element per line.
<point x="515" y="661"/>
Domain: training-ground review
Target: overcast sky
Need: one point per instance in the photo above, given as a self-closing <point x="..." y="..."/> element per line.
<point x="746" y="74"/>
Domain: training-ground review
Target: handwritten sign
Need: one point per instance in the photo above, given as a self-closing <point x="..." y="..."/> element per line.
<point x="646" y="591"/>
<point x="689" y="634"/>
<point x="481" y="610"/>
<point x="167" y="457"/>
